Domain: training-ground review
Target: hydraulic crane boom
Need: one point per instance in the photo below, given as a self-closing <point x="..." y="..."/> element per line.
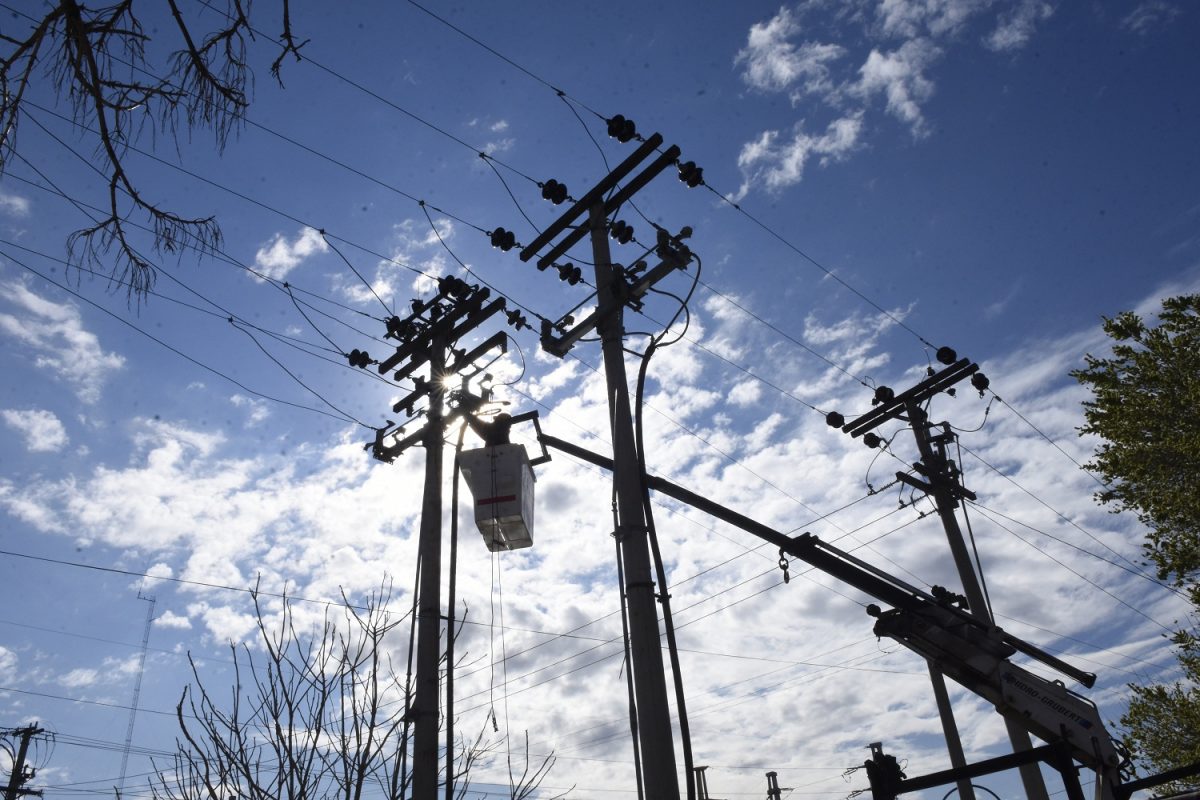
<point x="937" y="626"/>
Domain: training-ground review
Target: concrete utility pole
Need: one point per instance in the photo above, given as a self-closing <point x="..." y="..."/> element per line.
<point x="429" y="608"/>
<point x="427" y="337"/>
<point x="616" y="287"/>
<point x="19" y="775"/>
<point x="944" y="487"/>
<point x="941" y="483"/>
<point x="650" y="688"/>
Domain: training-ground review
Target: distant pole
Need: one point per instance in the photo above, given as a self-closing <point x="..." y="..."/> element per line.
<point x="701" y="783"/>
<point x="943" y="480"/>
<point x="137" y="690"/>
<point x="958" y="759"/>
<point x="773" y="790"/>
<point x="18" y="776"/>
<point x="650" y="688"/>
<point x="429" y="609"/>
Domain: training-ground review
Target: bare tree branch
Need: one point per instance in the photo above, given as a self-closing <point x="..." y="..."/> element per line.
<point x="313" y="714"/>
<point x="90" y="55"/>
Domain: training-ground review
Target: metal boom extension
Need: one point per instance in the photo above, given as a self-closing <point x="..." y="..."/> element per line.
<point x="969" y="650"/>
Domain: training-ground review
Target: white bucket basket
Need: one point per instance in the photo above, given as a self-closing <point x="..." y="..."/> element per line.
<point x="501" y="481"/>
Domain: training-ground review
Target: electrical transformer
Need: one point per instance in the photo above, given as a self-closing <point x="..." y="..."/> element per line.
<point x="501" y="481"/>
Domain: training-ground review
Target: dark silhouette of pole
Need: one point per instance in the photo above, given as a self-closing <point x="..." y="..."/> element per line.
<point x="429" y="605"/>
<point x="650" y="688"/>
<point x="773" y="790"/>
<point x="18" y="776"/>
<point x="945" y="490"/>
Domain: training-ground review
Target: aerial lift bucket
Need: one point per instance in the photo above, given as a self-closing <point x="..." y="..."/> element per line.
<point x="501" y="481"/>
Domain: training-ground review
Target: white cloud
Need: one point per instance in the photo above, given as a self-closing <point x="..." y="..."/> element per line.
<point x="258" y="409"/>
<point x="209" y="517"/>
<point x="169" y="619"/>
<point x="775" y="165"/>
<point x="8" y="665"/>
<point x="773" y="63"/>
<point x="900" y="77"/>
<point x="55" y="334"/>
<point x="745" y="394"/>
<point x="1017" y="25"/>
<point x="901" y="42"/>
<point x="79" y="678"/>
<point x="499" y="127"/>
<point x="502" y="145"/>
<point x="13" y="205"/>
<point x="909" y="18"/>
<point x="155" y="575"/>
<point x="277" y="259"/>
<point x="43" y="431"/>
<point x="1149" y="15"/>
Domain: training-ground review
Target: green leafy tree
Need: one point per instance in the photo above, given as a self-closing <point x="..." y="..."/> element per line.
<point x="1146" y="410"/>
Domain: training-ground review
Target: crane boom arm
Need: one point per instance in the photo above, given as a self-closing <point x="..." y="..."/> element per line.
<point x="968" y="650"/>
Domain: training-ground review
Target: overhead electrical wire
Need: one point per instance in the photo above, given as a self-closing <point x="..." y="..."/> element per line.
<point x="217" y="254"/>
<point x="423" y="204"/>
<point x="1051" y="441"/>
<point x="183" y="581"/>
<point x="709" y="614"/>
<point x="1074" y="572"/>
<point x="173" y="349"/>
<point x="736" y="206"/>
<point x="570" y="99"/>
<point x="1052" y="509"/>
<point x="1083" y="550"/>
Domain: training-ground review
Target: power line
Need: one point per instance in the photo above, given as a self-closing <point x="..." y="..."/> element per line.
<point x="173" y="349"/>
<point x="186" y="582"/>
<point x="1077" y="574"/>
<point x="1052" y="443"/>
<point x="219" y="255"/>
<point x="783" y="240"/>
<point x="1073" y="546"/>
<point x="1049" y="507"/>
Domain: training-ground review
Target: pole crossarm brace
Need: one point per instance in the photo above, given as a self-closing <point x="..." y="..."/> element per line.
<point x="585" y="203"/>
<point x="673" y="256"/>
<point x="445" y="326"/>
<point x="1055" y="755"/>
<point x="893" y="408"/>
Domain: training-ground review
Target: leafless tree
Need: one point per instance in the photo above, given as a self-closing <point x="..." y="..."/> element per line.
<point x="97" y="59"/>
<point x="314" y="714"/>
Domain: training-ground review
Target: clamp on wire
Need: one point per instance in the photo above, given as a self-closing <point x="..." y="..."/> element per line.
<point x="783" y="565"/>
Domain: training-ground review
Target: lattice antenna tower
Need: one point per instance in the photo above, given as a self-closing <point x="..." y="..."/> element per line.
<point x="137" y="689"/>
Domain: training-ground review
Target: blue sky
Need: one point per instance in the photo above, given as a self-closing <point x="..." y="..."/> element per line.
<point x="993" y="176"/>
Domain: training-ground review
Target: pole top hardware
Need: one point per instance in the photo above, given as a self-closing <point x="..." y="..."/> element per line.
<point x="890" y="405"/>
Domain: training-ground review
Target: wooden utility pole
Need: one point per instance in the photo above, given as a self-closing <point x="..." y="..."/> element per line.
<point x="19" y="775"/>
